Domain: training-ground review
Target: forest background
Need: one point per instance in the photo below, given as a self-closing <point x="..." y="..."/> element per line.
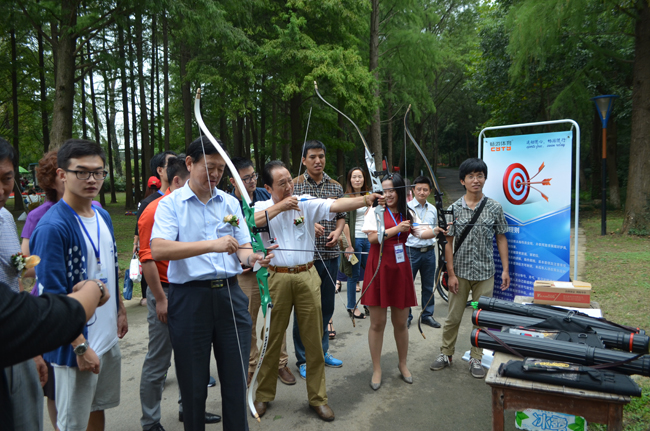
<point x="125" y="72"/>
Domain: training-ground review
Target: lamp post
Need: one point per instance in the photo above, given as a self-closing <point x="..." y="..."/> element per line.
<point x="604" y="109"/>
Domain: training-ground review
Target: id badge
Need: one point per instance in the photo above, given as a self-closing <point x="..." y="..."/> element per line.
<point x="101" y="276"/>
<point x="399" y="253"/>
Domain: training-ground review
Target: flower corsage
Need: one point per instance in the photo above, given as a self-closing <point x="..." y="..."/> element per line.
<point x="22" y="264"/>
<point x="298" y="221"/>
<point x="232" y="220"/>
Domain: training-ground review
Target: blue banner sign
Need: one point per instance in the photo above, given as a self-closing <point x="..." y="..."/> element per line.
<point x="530" y="176"/>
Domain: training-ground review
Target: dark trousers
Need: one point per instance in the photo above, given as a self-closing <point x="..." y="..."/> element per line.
<point x="200" y="318"/>
<point x="327" y="298"/>
<point x="425" y="264"/>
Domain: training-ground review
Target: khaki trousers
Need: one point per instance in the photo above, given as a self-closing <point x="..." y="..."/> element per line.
<point x="301" y="291"/>
<point x="248" y="283"/>
<point x="457" y="305"/>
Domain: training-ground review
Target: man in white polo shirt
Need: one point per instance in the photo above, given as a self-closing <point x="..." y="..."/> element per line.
<point x="294" y="282"/>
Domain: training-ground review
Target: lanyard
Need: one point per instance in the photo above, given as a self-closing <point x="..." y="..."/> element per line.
<point x="95" y="249"/>
<point x="395" y="221"/>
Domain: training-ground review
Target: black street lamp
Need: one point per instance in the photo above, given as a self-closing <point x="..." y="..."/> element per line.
<point x="604" y="109"/>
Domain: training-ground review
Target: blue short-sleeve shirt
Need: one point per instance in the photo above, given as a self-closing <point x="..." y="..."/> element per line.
<point x="181" y="216"/>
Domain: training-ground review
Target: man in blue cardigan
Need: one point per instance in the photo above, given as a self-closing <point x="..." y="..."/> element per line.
<point x="76" y="242"/>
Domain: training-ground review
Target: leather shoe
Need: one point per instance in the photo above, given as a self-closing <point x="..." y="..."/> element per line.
<point x="324" y="412"/>
<point x="430" y="321"/>
<point x="210" y="418"/>
<point x="286" y="376"/>
<point x="260" y="406"/>
<point x="250" y="377"/>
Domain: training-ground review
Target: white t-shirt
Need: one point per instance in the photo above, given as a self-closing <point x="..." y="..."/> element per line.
<point x="102" y="326"/>
<point x="358" y="232"/>
<point x="291" y="236"/>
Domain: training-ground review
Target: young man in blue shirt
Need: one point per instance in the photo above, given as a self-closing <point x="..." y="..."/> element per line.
<point x="75" y="242"/>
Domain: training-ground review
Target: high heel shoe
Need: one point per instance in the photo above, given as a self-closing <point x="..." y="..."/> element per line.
<point x="408" y="379"/>
<point x="374" y="385"/>
<point x="360" y="316"/>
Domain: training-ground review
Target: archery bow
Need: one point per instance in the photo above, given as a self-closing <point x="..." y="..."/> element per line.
<point x="376" y="188"/>
<point x="442" y="222"/>
<point x="256" y="243"/>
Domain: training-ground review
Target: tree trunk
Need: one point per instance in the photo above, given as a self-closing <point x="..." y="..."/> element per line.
<point x="389" y="128"/>
<point x="98" y="139"/>
<point x="285" y="134"/>
<point x="117" y="159"/>
<point x="102" y="198"/>
<point x="375" y="125"/>
<point x="19" y="204"/>
<point x="296" y="131"/>
<point x="612" y="138"/>
<point x="147" y="148"/>
<point x="239" y="133"/>
<point x="125" y="118"/>
<point x="247" y="146"/>
<point x="166" y="80"/>
<point x="154" y="67"/>
<point x="82" y="87"/>
<point x="186" y="93"/>
<point x="255" y="137"/>
<point x="637" y="207"/>
<point x="136" y="155"/>
<point x="223" y="131"/>
<point x="340" y="134"/>
<point x="41" y="76"/>
<point x="64" y="57"/>
<point x="274" y="131"/>
<point x="109" y="139"/>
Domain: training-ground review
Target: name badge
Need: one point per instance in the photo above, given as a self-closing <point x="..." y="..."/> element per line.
<point x="101" y="276"/>
<point x="399" y="253"/>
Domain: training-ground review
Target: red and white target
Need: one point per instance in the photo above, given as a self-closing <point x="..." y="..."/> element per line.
<point x="516" y="184"/>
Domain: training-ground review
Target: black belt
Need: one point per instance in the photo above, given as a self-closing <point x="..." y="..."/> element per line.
<point x="164" y="285"/>
<point x="423" y="249"/>
<point x="212" y="284"/>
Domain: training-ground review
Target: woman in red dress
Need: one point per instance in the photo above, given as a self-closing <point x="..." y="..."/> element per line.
<point x="393" y="286"/>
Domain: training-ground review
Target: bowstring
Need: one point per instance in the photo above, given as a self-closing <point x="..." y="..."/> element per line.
<point x="223" y="259"/>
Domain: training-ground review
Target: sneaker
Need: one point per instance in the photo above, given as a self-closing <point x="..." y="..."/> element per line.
<point x="476" y="369"/>
<point x="331" y="361"/>
<point x="441" y="362"/>
<point x="303" y="371"/>
<point x="156" y="427"/>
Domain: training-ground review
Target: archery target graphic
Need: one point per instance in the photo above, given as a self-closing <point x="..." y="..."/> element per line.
<point x="516" y="184"/>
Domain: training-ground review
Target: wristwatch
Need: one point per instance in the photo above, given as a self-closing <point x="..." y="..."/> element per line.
<point x="81" y="348"/>
<point x="101" y="288"/>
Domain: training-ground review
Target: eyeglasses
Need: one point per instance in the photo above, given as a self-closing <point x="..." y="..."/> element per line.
<point x="85" y="175"/>
<point x="250" y="179"/>
<point x="480" y="177"/>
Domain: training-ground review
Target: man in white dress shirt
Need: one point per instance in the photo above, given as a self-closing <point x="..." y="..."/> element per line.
<point x="293" y="280"/>
<point x="422" y="252"/>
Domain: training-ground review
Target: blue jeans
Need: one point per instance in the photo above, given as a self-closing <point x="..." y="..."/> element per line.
<point x="425" y="263"/>
<point x="327" y="304"/>
<point x="360" y="245"/>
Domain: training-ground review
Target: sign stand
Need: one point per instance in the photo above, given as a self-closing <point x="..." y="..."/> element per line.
<point x="577" y="171"/>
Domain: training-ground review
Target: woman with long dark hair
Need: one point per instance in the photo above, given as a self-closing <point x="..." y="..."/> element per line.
<point x="357" y="183"/>
<point x="393" y="286"/>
